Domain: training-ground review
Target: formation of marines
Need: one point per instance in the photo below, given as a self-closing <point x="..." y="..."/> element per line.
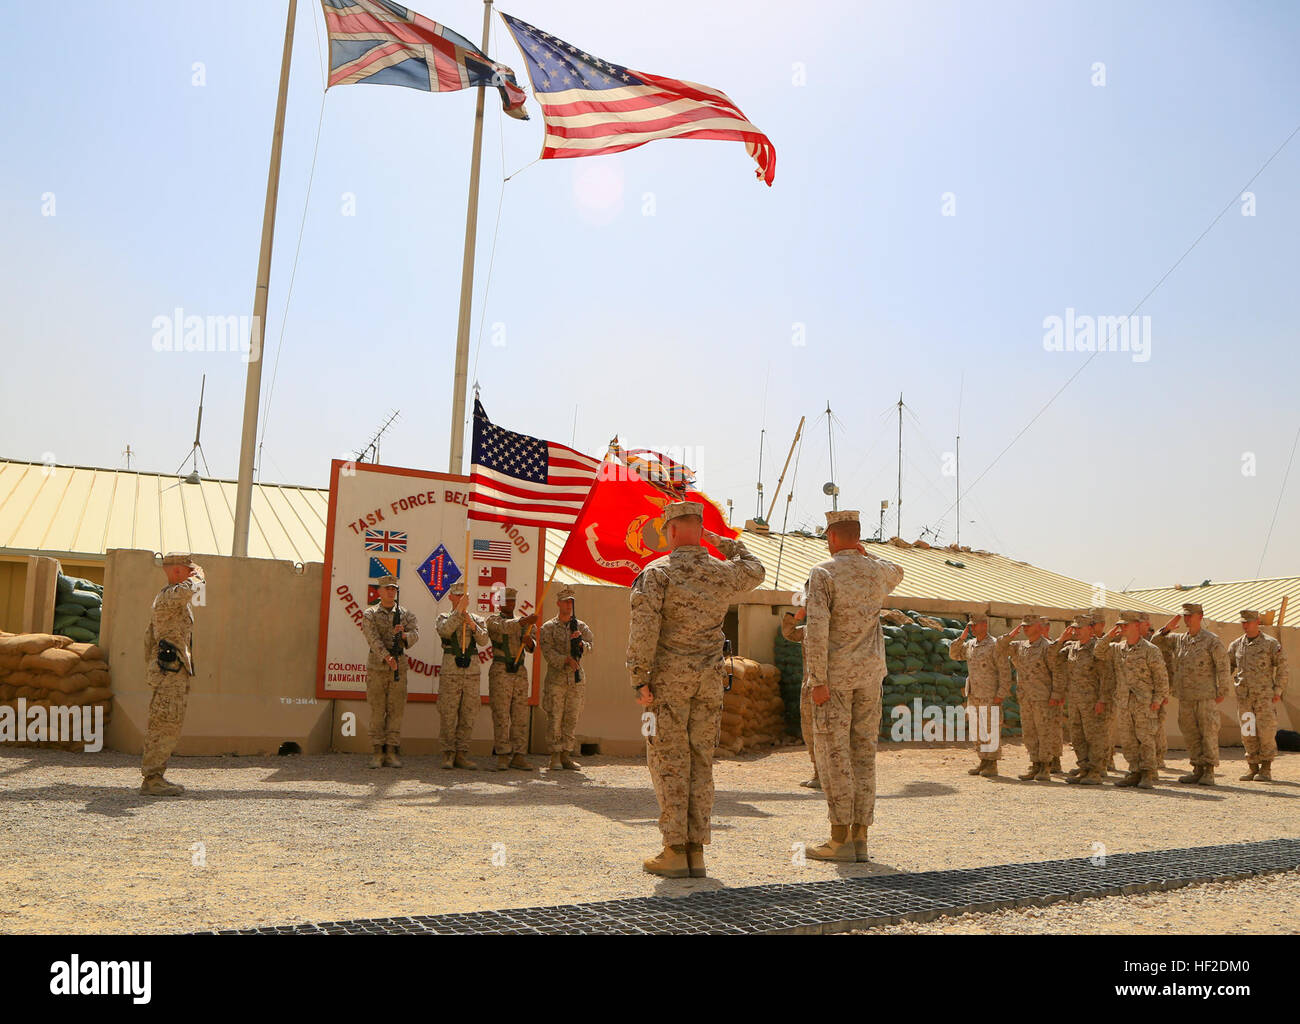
<point x="1095" y="685"/>
<point x="1102" y="681"/>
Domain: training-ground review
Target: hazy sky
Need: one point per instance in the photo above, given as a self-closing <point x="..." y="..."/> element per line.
<point x="667" y="296"/>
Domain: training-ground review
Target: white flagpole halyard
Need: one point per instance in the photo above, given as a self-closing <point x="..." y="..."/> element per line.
<point x="456" y="459"/>
<point x="253" y="386"/>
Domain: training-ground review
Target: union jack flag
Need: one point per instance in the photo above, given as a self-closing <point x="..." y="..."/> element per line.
<point x="388" y="44"/>
<point x="385" y="540"/>
<point x="591" y="106"/>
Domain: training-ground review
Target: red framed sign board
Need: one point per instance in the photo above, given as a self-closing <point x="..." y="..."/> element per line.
<point x="410" y="523"/>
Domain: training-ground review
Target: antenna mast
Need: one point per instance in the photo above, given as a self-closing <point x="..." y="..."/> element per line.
<point x="372" y="449"/>
<point x="898" y="506"/>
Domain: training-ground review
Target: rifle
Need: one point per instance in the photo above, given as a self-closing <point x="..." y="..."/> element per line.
<point x="726" y="654"/>
<point x="396" y="646"/>
<point x="575" y="642"/>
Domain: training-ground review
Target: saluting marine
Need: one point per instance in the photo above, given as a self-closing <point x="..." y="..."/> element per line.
<point x="675" y="660"/>
<point x="169" y="667"/>
<point x="988" y="681"/>
<point x="1200" y="678"/>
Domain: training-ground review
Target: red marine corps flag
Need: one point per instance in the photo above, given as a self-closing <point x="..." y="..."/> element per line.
<point x="620" y="528"/>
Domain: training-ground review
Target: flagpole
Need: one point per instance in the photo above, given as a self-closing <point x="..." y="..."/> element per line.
<point x="456" y="460"/>
<point x="253" y="385"/>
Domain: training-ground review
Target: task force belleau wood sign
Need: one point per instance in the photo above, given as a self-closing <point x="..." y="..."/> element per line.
<point x="410" y="523"/>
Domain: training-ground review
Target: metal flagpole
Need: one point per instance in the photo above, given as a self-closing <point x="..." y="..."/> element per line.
<point x="253" y="386"/>
<point x="455" y="461"/>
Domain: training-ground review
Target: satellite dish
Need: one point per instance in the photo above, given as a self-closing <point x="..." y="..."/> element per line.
<point x="829" y="488"/>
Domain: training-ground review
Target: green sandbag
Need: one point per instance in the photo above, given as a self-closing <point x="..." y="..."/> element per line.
<point x="913" y="665"/>
<point x="93" y="613"/>
<point x="904" y="681"/>
<point x="85" y="598"/>
<point x="69" y="608"/>
<point x="87" y="623"/>
<point x="84" y="636"/>
<point x="956" y="624"/>
<point x="63" y="622"/>
<point x="952" y="633"/>
<point x="896" y="650"/>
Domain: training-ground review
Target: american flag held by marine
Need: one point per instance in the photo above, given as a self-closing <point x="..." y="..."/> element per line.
<point x="523" y="480"/>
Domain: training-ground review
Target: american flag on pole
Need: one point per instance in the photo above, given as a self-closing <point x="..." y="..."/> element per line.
<point x="387" y="44"/>
<point x="492" y="550"/>
<point x="591" y="106"/>
<point x="524" y="480"/>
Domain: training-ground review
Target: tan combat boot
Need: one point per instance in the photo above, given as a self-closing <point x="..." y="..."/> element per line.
<point x="568" y="763"/>
<point x="449" y="759"/>
<point x="1034" y="766"/>
<point x="978" y="768"/>
<point x="1044" y="772"/>
<point x="858" y="833"/>
<point x="839" y="847"/>
<point x="670" y="863"/>
<point x="1147" y="780"/>
<point x="377" y="758"/>
<point x="555" y="763"/>
<point x="1194" y="775"/>
<point x="813" y="783"/>
<point x="156" y="785"/>
<point x="1076" y="776"/>
<point x="1265" y="773"/>
<point x="520" y="763"/>
<point x="695" y="860"/>
<point x="990" y="769"/>
<point x="392" y="758"/>
<point x="1207" y="776"/>
<point x="1055" y="766"/>
<point x="1130" y="778"/>
<point x="503" y="762"/>
<point x="1250" y="775"/>
<point x="1092" y="777"/>
<point x="464" y="763"/>
<point x="1076" y="772"/>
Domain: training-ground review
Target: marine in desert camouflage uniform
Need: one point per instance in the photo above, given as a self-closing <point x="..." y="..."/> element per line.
<point x="1106" y="670"/>
<point x="462" y="633"/>
<point x="508" y="682"/>
<point x="1056" y="711"/>
<point x="1036" y="688"/>
<point x="385" y="695"/>
<point x="1141" y="683"/>
<point x="674" y="658"/>
<point x="1200" y="678"/>
<point x="1162" y="716"/>
<point x="169" y="666"/>
<point x="792" y="628"/>
<point x="988" y="681"/>
<point x="844" y="665"/>
<point x="565" y="691"/>
<point x="1088" y="699"/>
<point x="1259" y="665"/>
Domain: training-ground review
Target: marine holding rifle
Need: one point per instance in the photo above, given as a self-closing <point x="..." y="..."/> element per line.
<point x="508" y="682"/>
<point x="565" y="639"/>
<point x="462" y="633"/>
<point x="389" y="630"/>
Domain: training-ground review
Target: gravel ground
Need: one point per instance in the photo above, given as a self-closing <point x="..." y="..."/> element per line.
<point x="286" y="840"/>
<point x="1255" y="906"/>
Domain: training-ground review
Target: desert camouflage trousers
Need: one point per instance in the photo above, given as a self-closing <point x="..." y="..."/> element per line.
<point x="845" y="733"/>
<point x="166" y="717"/>
<point x="508" y="699"/>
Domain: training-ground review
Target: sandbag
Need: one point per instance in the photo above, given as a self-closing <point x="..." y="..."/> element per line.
<point x="80" y="697"/>
<point x="91" y="652"/>
<point x="72" y="608"/>
<point x="10" y="662"/>
<point x="31" y="643"/>
<point x="85" y="598"/>
<point x="54" y="660"/>
<point x="86" y="665"/>
<point x="81" y="633"/>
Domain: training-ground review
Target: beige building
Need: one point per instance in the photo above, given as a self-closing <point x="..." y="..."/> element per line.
<point x="255" y="689"/>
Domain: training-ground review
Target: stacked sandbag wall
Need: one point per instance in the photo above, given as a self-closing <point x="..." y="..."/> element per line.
<point x="753" y="714"/>
<point x="78" y="607"/>
<point x="44" y="670"/>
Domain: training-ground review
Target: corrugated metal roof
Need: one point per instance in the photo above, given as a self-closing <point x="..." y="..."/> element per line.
<point x="982" y="577"/>
<point x="84" y="511"/>
<point x="1223" y="601"/>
